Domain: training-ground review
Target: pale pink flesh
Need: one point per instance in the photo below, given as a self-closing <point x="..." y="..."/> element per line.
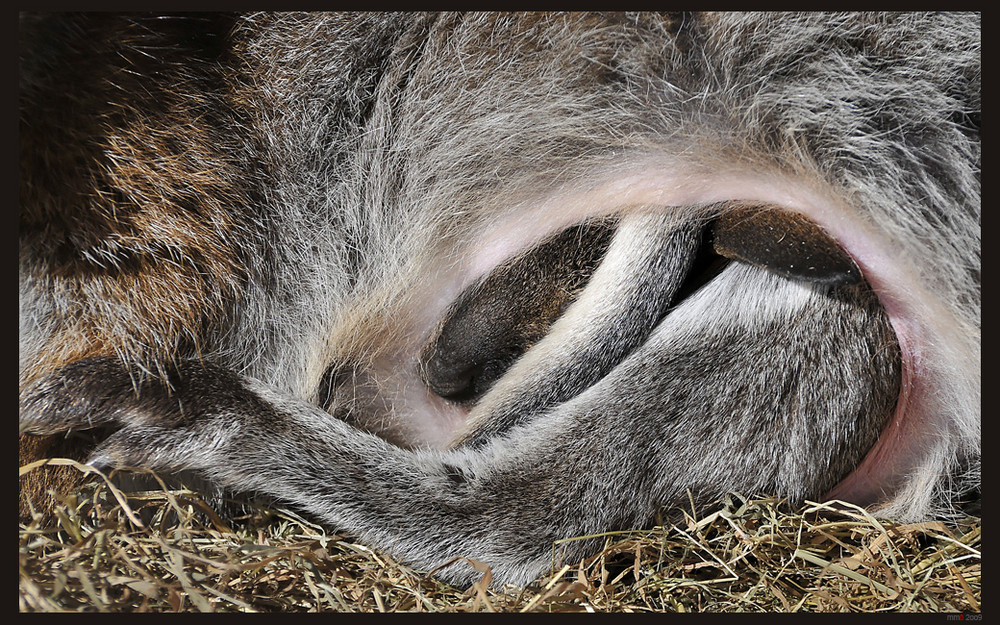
<point x="899" y="290"/>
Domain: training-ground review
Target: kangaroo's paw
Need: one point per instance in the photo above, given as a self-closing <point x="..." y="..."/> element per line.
<point x="186" y="422"/>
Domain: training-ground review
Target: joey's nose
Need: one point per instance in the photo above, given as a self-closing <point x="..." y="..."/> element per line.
<point x="465" y="381"/>
<point x="449" y="380"/>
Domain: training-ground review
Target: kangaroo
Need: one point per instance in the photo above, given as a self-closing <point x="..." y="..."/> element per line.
<point x="466" y="284"/>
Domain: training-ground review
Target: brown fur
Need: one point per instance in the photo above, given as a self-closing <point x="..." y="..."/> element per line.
<point x="132" y="202"/>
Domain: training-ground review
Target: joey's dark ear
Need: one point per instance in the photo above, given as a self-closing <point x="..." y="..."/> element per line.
<point x="782" y="242"/>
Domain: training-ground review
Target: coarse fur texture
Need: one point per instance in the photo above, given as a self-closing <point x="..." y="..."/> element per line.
<point x="249" y="245"/>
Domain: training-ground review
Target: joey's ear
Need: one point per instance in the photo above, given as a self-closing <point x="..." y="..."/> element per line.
<point x="783" y="242"/>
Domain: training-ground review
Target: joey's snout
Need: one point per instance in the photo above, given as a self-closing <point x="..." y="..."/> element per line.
<point x="495" y="321"/>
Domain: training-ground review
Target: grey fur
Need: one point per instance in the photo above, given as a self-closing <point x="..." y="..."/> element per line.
<point x="385" y="163"/>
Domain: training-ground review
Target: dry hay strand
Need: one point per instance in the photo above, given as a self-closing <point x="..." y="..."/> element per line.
<point x="167" y="550"/>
